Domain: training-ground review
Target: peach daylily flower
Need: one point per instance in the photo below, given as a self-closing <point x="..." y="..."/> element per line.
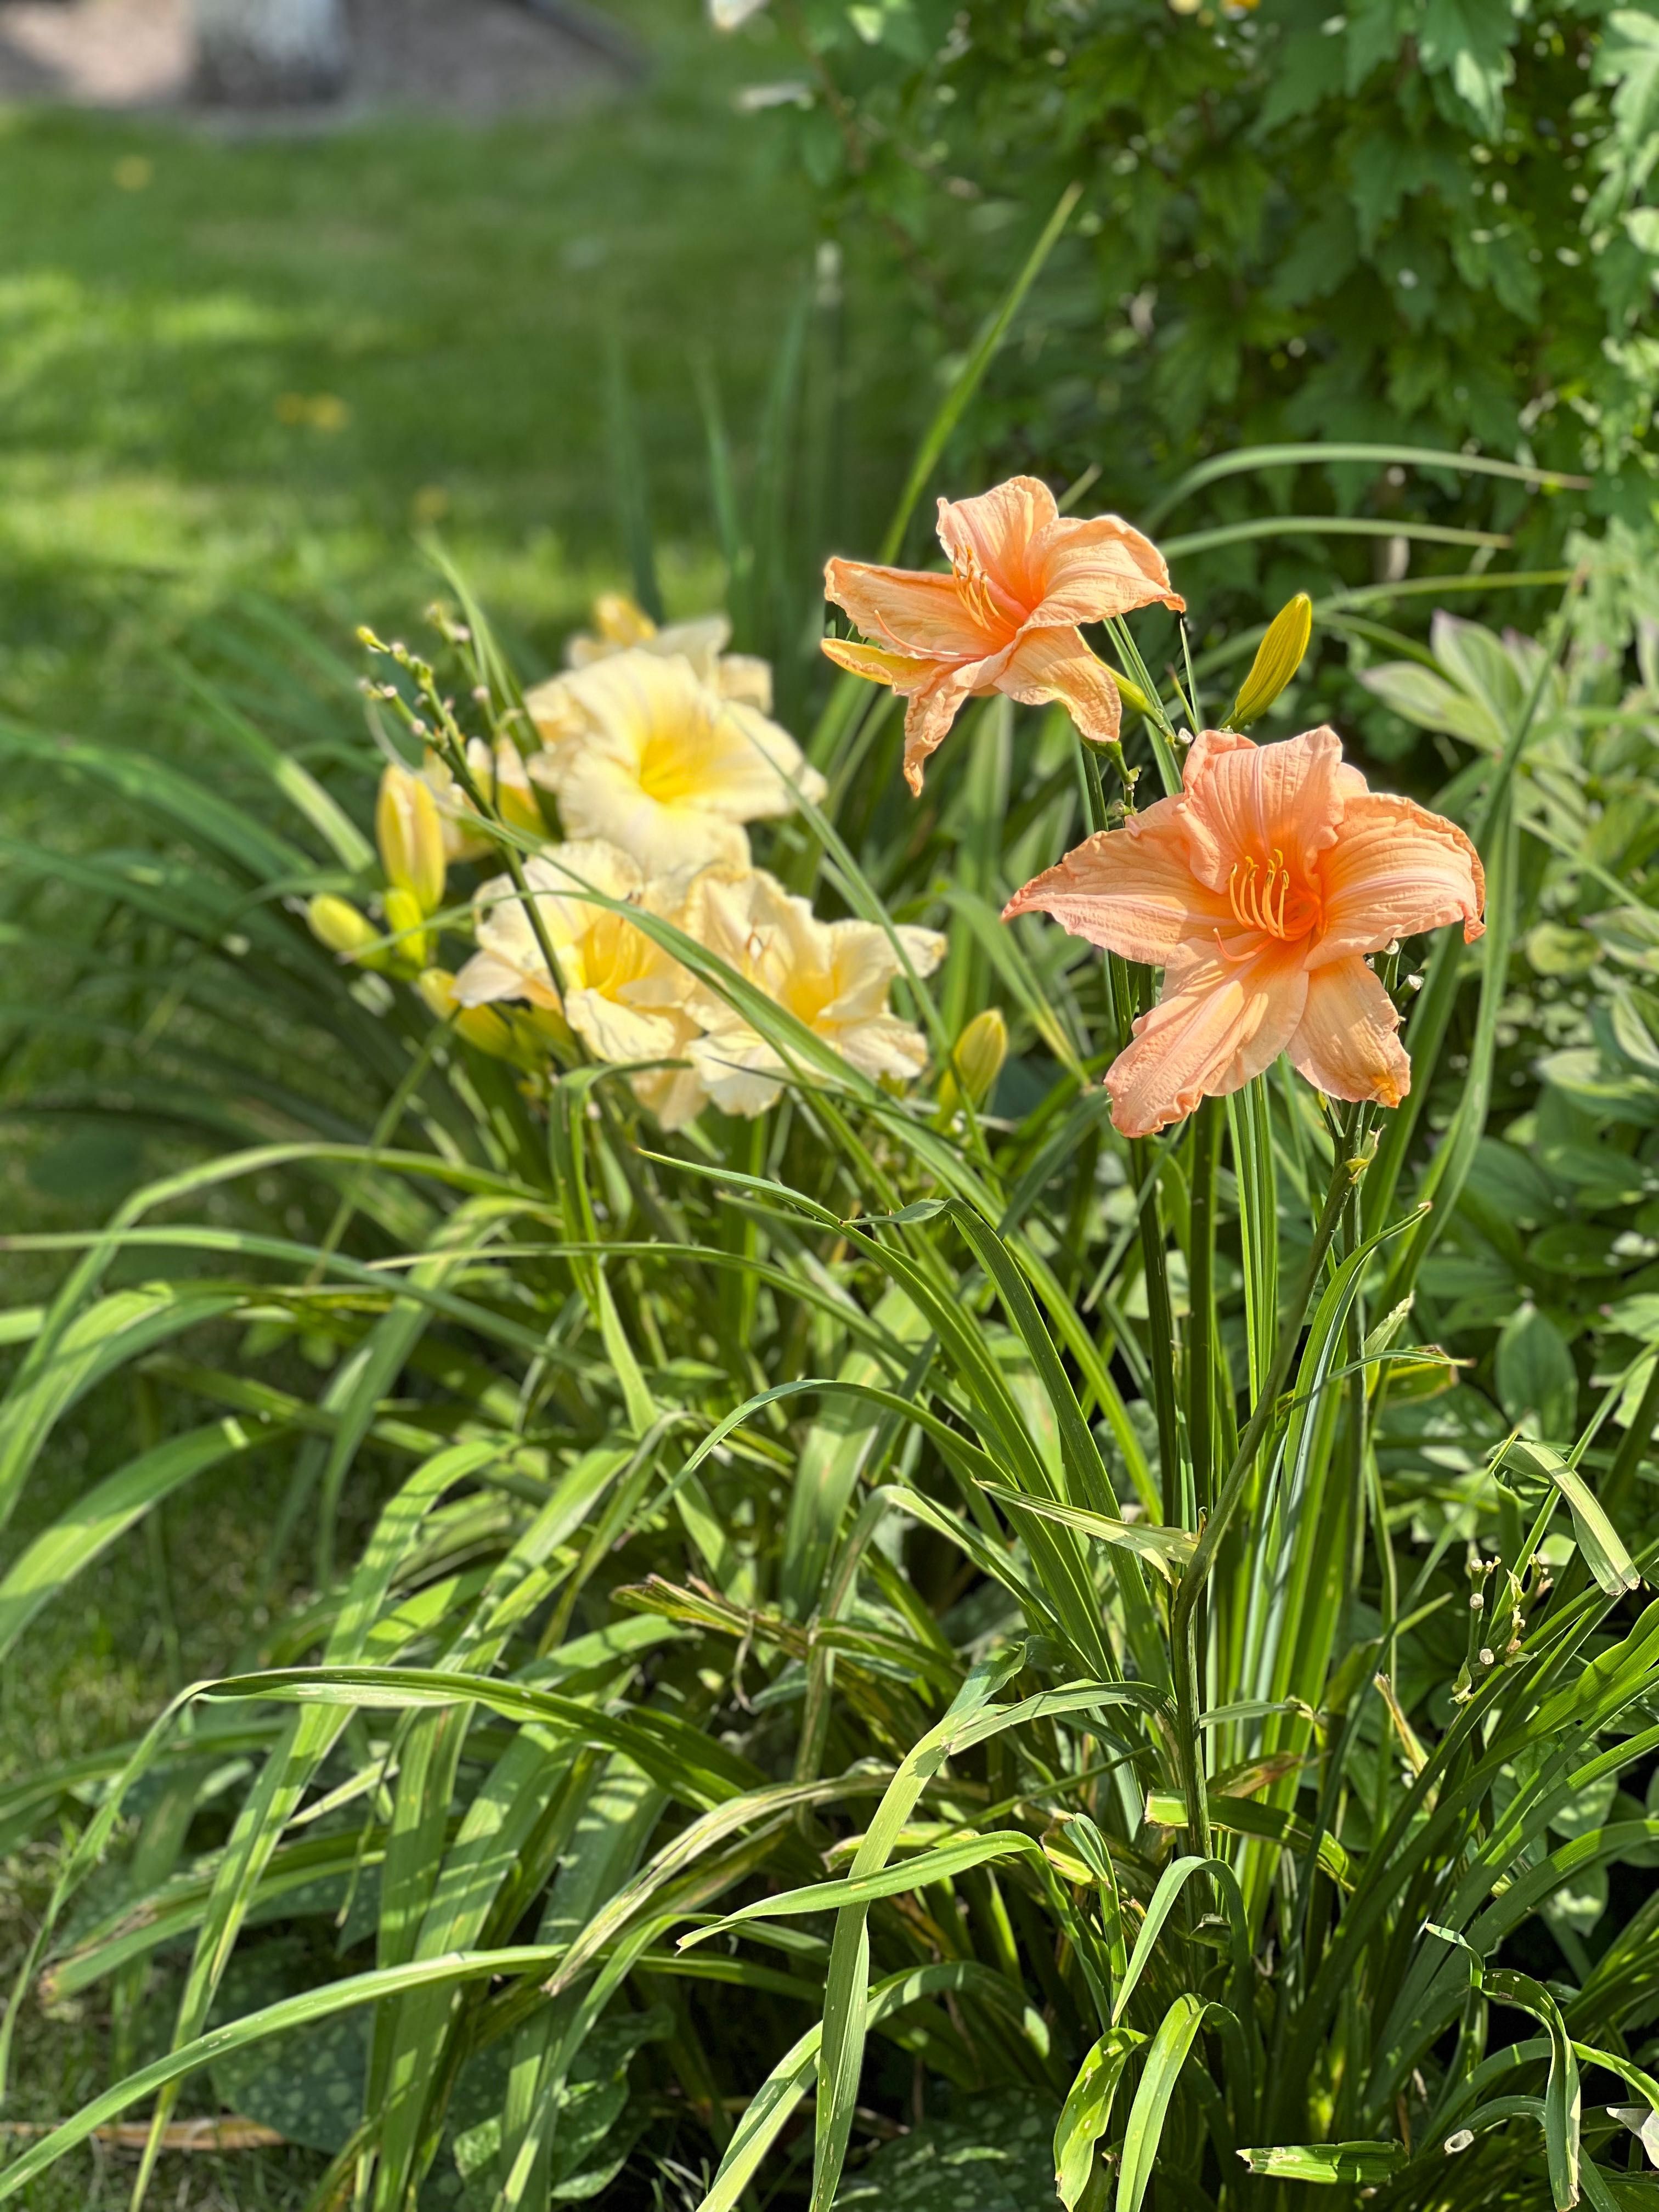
<point x="1258" y="890"/>
<point x="1022" y="577"/>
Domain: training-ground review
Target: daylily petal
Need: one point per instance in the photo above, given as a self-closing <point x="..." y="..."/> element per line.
<point x="909" y="608"/>
<point x="902" y="671"/>
<point x="485" y="978"/>
<point x="601" y="798"/>
<point x="675" y="1095"/>
<point x="616" y="1032"/>
<point x="737" y="1067"/>
<point x="996" y="537"/>
<point x="1130" y="889"/>
<point x="924" y="948"/>
<point x="1226" y="1022"/>
<point x="928" y="717"/>
<point x="1396" y="870"/>
<point x="1095" y="569"/>
<point x="1245" y="802"/>
<point x="1049" y="664"/>
<point x="883" y="1045"/>
<point x="1345" y="1043"/>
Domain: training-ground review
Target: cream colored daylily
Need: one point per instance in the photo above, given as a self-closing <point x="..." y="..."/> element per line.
<point x="834" y="976"/>
<point x="648" y="757"/>
<point x="624" y="997"/>
<point x="621" y="624"/>
<point x="499" y="775"/>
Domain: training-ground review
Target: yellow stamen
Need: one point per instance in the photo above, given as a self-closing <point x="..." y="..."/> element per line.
<point x="1260" y="905"/>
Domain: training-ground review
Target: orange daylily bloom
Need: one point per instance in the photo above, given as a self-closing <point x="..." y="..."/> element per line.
<point x="1023" y="576"/>
<point x="1258" y="890"/>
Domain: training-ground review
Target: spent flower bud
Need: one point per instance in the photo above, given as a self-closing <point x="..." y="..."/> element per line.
<point x="1277" y="659"/>
<point x="410" y="834"/>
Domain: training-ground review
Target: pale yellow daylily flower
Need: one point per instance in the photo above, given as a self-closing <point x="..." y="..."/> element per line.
<point x="650" y="759"/>
<point x="834" y="976"/>
<point x="621" y="624"/>
<point x="499" y="775"/>
<point x="624" y="997"/>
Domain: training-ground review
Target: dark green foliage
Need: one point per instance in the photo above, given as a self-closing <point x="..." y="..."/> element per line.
<point x="991" y="2155"/>
<point x="1426" y="221"/>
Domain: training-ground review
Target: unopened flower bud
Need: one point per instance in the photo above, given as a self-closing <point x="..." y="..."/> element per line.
<point x="405" y="922"/>
<point x="489" y="1031"/>
<point x="976" y="1062"/>
<point x="549" y="1027"/>
<point x="337" y="924"/>
<point x="1277" y="659"/>
<point x="622" y="621"/>
<point x="410" y="834"/>
<point x="1132" y="694"/>
<point x="482" y="1026"/>
<point x="437" y="986"/>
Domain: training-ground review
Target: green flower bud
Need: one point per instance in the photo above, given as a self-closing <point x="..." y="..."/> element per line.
<point x="486" y="1028"/>
<point x="403" y="918"/>
<point x="411" y="834"/>
<point x="976" y="1061"/>
<point x="337" y="924"/>
<point x="1277" y="659"/>
<point x="1132" y="694"/>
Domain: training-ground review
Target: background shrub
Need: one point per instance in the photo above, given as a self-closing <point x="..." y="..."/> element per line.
<point x="1423" y="221"/>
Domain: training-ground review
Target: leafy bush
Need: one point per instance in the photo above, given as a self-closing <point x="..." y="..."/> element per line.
<point x="1411" y="222"/>
<point x="1175" y="1600"/>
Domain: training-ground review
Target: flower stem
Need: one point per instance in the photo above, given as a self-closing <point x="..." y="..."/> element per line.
<point x="1201" y="1318"/>
<point x="1183" y="1623"/>
<point x="1160" y="1336"/>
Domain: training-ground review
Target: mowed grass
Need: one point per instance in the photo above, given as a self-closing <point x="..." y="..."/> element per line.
<point x="274" y="364"/>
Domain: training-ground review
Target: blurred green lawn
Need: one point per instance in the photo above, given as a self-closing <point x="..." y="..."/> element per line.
<point x="270" y="361"/>
<point x="267" y="364"/>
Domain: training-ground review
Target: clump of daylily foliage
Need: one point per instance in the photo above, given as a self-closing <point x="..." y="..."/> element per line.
<point x="995" y="1550"/>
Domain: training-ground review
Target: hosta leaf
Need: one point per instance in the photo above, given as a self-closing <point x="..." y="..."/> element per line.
<point x="1537" y="1381"/>
<point x="1578" y="1902"/>
<point x="1421" y="696"/>
<point x="993" y="2157"/>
